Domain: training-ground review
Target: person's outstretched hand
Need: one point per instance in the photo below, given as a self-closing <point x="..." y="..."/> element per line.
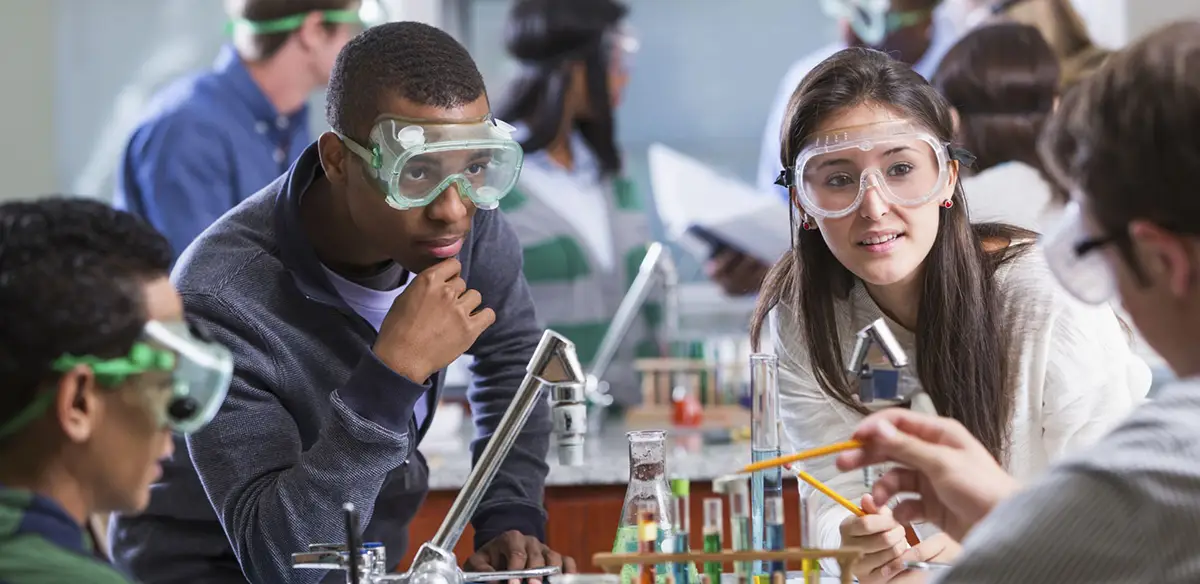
<point x="958" y="480"/>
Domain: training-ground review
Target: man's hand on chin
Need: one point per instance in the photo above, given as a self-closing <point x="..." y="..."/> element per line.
<point x="513" y="550"/>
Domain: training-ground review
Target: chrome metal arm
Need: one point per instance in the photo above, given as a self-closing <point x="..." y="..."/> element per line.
<point x="658" y="261"/>
<point x="554" y="364"/>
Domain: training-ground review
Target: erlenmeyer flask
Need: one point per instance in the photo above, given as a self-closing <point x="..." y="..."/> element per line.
<point x="648" y="485"/>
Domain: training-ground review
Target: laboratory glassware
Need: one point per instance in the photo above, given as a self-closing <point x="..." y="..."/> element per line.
<point x="764" y="442"/>
<point x="648" y="485"/>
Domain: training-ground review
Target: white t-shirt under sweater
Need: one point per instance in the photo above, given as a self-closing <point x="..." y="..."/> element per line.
<point x="1072" y="372"/>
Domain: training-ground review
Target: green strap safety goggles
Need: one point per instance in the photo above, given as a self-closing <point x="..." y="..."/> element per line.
<point x="293" y="22"/>
<point x="201" y="371"/>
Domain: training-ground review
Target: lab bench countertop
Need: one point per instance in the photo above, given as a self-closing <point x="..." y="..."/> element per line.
<point x="606" y="459"/>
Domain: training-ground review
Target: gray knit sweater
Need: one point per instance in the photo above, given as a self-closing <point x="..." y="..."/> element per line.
<point x="313" y="419"/>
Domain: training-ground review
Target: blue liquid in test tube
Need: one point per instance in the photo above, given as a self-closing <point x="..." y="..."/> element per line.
<point x="764" y="443"/>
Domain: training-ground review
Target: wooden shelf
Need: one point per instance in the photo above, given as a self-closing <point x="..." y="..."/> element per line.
<point x="583" y="520"/>
<point x="845" y="557"/>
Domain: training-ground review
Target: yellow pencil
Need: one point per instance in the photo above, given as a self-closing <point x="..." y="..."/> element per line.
<point x="828" y="492"/>
<point x="807" y="454"/>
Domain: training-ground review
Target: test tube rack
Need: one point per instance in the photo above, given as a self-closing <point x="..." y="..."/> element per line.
<point x="845" y="557"/>
<point x="713" y="383"/>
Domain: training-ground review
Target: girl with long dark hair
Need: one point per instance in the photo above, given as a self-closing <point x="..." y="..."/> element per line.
<point x="884" y="233"/>
<point x="583" y="226"/>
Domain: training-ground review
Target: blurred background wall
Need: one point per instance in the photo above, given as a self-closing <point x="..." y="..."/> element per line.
<point x="76" y="72"/>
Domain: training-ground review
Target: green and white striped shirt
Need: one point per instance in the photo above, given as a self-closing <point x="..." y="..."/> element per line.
<point x="581" y="255"/>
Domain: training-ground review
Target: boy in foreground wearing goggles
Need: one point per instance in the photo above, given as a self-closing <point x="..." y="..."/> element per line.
<point x="1125" y="143"/>
<point x="99" y="369"/>
<point x="344" y="290"/>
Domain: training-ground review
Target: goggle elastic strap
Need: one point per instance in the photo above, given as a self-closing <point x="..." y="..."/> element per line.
<point x="962" y="156"/>
<point x="41" y="402"/>
<point x="786" y="178"/>
<point x="109" y="373"/>
<point x="290" y="23"/>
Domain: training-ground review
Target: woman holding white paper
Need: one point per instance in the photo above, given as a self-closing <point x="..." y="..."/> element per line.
<point x="990" y="336"/>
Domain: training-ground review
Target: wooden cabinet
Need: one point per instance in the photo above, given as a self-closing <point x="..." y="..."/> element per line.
<point x="583" y="520"/>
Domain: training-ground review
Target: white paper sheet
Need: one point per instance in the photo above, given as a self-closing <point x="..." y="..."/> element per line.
<point x="689" y="195"/>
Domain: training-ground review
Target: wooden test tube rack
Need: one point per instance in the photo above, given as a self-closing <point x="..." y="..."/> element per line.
<point x="845" y="557"/>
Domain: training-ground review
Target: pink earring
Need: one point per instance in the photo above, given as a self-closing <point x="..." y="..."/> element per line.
<point x="947" y="203"/>
<point x="807" y="224"/>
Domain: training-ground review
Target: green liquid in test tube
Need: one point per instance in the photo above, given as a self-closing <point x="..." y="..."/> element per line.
<point x="737" y="489"/>
<point x="714" y="530"/>
<point x="685" y="572"/>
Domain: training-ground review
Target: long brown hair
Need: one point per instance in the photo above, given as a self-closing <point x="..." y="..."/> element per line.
<point x="961" y="347"/>
<point x="1003" y="80"/>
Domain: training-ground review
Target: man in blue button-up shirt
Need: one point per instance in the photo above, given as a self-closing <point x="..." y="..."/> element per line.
<point x="210" y="140"/>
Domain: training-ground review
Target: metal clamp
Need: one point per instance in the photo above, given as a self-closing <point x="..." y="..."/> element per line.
<point x="540" y="573"/>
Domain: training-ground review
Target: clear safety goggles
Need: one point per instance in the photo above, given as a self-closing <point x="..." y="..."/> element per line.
<point x="905" y="165"/>
<point x="872" y="20"/>
<point x="414" y="162"/>
<point x="200" y="373"/>
<point x="623" y="45"/>
<point x="1074" y="258"/>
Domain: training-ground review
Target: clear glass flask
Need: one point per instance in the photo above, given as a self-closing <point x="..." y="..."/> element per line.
<point x="647" y="486"/>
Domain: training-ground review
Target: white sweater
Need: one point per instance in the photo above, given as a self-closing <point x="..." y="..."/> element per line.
<point x="1072" y="371"/>
<point x="1013" y="193"/>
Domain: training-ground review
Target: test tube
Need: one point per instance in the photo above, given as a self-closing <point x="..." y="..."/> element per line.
<point x="810" y="568"/>
<point x="773" y="518"/>
<point x="714" y="532"/>
<point x="647" y="540"/>
<point x="683" y="528"/>
<point x="764" y="444"/>
<point x="739" y="526"/>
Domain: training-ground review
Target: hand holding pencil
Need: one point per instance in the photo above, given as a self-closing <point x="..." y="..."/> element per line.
<point x="958" y="480"/>
<point x="881" y="538"/>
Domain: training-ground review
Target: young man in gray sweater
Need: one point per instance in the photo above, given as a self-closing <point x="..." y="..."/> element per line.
<point x="344" y="289"/>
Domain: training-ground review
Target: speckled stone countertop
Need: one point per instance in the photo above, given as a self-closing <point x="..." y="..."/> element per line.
<point x="606" y="456"/>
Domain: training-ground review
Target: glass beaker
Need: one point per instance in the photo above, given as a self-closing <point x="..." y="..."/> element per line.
<point x="648" y="486"/>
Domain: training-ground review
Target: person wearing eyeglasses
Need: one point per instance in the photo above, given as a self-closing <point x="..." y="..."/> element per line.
<point x="100" y="367"/>
<point x="583" y="225"/>
<point x="208" y="141"/>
